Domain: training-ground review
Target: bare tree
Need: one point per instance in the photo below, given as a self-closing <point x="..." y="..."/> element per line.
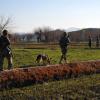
<point x="4" y="23"/>
<point x="38" y="33"/>
<point x="42" y="34"/>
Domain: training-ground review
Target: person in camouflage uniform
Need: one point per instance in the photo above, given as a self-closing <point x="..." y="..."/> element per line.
<point x="64" y="42"/>
<point x="5" y="51"/>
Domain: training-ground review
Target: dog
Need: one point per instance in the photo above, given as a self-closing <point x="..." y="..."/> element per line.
<point x="43" y="58"/>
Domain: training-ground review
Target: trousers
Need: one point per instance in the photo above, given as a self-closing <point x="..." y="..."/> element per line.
<point x="6" y="53"/>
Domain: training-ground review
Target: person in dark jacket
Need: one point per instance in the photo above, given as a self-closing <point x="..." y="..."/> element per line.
<point x="64" y="42"/>
<point x="90" y="41"/>
<point x="5" y="50"/>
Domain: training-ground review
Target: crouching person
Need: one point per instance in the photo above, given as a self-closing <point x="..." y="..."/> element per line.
<point x="5" y="50"/>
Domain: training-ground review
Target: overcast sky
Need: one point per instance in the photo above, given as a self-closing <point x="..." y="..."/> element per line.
<point x="29" y="14"/>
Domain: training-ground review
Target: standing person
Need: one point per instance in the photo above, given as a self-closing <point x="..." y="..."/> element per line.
<point x="97" y="42"/>
<point x="64" y="42"/>
<point x="5" y="51"/>
<point x="90" y="41"/>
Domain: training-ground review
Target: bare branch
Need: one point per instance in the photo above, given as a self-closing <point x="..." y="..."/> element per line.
<point x="4" y="23"/>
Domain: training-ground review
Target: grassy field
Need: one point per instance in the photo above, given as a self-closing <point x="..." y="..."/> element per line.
<point x="83" y="88"/>
<point x="23" y="57"/>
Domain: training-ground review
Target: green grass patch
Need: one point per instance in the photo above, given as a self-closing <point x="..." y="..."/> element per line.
<point x="25" y="57"/>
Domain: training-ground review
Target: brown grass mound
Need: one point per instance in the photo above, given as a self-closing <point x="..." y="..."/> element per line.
<point x="26" y="76"/>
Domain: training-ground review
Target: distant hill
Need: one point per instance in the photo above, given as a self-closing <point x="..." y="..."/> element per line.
<point x="82" y="35"/>
<point x="71" y="29"/>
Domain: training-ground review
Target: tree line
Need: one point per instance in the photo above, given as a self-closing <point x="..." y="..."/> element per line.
<point x="46" y="34"/>
<point x="97" y="42"/>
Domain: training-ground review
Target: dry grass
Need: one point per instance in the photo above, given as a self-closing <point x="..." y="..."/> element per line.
<point x="26" y="76"/>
